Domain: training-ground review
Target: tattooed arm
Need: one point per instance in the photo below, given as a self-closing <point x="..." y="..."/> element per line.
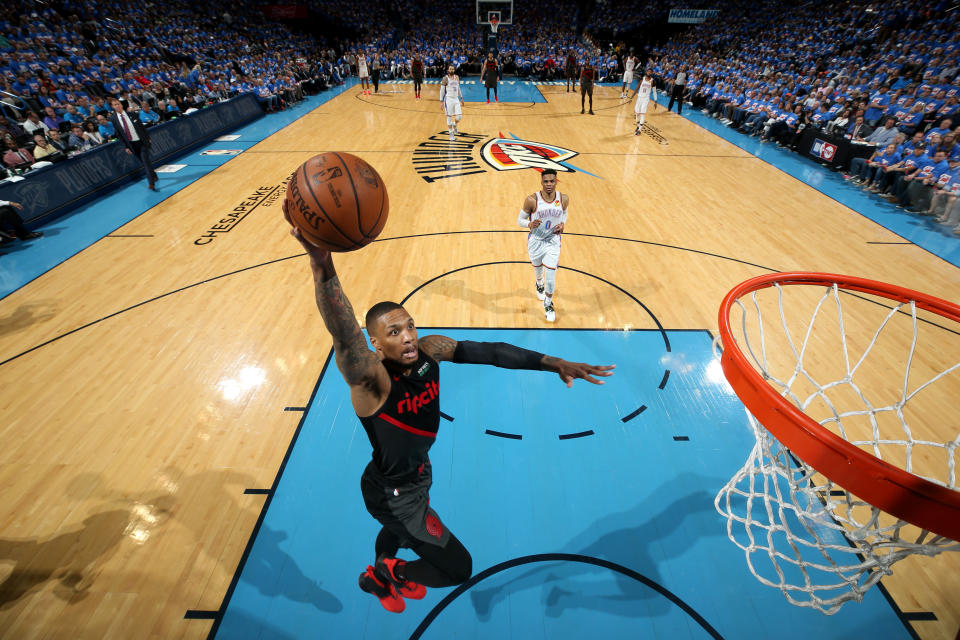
<point x="361" y="368"/>
<point x="507" y="356"/>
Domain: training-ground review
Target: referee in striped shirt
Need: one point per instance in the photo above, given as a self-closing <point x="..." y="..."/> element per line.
<point x="679" y="84"/>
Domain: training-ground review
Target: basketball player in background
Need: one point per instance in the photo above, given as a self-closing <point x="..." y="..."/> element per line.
<point x="491" y="74"/>
<point x="587" y="75"/>
<point x="416" y="71"/>
<point x="629" y="64"/>
<point x="642" y="94"/>
<point x="544" y="214"/>
<point x="363" y="73"/>
<point x="451" y="98"/>
<point x="375" y="71"/>
<point x="395" y="393"/>
<point x="570" y="69"/>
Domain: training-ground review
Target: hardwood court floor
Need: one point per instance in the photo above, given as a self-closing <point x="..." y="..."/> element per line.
<point x="158" y="394"/>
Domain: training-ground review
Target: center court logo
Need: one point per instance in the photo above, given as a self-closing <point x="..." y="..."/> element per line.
<point x="441" y="157"/>
<point x="507" y="154"/>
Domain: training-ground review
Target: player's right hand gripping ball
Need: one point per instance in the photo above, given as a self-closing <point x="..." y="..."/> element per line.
<point x="338" y="201"/>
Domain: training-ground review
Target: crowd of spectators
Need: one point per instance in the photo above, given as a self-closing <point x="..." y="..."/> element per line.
<point x="59" y="65"/>
<point x="878" y="75"/>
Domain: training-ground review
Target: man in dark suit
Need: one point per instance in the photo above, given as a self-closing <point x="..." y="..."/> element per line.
<point x="134" y="136"/>
<point x="858" y="129"/>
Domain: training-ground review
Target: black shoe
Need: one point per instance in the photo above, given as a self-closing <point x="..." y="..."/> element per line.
<point x="590" y="112"/>
<point x="152" y="186"/>
<point x="5" y="239"/>
<point x="33" y="235"/>
<point x="581" y="111"/>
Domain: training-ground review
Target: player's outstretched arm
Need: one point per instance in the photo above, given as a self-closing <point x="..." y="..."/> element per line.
<point x="507" y="356"/>
<point x="368" y="379"/>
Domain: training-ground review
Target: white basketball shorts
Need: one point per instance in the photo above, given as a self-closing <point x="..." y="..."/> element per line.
<point x="544" y="253"/>
<point x="452" y="106"/>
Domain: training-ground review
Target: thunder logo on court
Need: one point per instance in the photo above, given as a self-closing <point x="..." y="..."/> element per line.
<point x="439" y="158"/>
<point x="507" y="154"/>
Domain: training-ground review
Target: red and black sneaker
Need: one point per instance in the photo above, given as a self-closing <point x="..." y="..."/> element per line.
<point x="385" y="591"/>
<point x="388" y="567"/>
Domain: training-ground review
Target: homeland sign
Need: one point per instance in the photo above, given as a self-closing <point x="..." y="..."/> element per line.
<point x="692" y="16"/>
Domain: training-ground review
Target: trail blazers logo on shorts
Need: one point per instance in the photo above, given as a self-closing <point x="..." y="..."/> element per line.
<point x="507" y="154"/>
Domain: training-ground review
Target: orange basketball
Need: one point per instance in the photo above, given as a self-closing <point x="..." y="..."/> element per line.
<point x="338" y="201"/>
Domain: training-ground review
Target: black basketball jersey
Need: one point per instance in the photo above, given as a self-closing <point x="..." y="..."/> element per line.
<point x="404" y="428"/>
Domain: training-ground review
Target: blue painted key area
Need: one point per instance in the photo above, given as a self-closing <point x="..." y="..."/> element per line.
<point x="616" y="482"/>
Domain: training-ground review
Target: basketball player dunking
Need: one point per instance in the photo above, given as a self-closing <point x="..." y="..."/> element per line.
<point x="544" y="214"/>
<point x="416" y="71"/>
<point x="587" y="74"/>
<point x="451" y="97"/>
<point x="629" y="64"/>
<point x="363" y="73"/>
<point x="395" y="393"/>
<point x="642" y="94"/>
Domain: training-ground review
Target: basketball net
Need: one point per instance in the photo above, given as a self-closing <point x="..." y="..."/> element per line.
<point x="802" y="532"/>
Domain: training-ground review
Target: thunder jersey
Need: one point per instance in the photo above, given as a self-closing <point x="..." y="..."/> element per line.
<point x="629" y="65"/>
<point x="550" y="213"/>
<point x="453" y="88"/>
<point x="643" y="91"/>
<point x="405" y="426"/>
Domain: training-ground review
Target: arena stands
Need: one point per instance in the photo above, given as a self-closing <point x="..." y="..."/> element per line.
<point x="163" y="61"/>
<point x="856" y="70"/>
<point x="841" y="69"/>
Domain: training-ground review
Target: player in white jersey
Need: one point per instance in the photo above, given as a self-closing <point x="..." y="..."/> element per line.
<point x="544" y="214"/>
<point x="642" y="94"/>
<point x="451" y="97"/>
<point x="629" y="64"/>
<point x="363" y="73"/>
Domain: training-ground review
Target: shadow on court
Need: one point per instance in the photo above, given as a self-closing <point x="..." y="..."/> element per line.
<point x="641" y="547"/>
<point x="274" y="573"/>
<point x="73" y="558"/>
<point x="27" y="315"/>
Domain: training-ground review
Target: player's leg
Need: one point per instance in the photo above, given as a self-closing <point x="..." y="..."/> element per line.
<point x="641" y="113"/>
<point x="496" y="98"/>
<point x="439" y="565"/>
<point x="457" y="115"/>
<point x="590" y="93"/>
<point x="551" y="262"/>
<point x="583" y="95"/>
<point x="551" y="285"/>
<point x="535" y="249"/>
<point x="448" y="107"/>
<point x="538" y="274"/>
<point x="488" y="95"/>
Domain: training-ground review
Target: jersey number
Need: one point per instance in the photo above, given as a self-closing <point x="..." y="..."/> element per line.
<point x="546" y="225"/>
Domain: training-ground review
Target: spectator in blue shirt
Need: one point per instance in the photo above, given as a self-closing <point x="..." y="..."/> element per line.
<point x="942" y="130"/>
<point x="879" y="101"/>
<point x="148" y="116"/>
<point x="917" y="195"/>
<point x="105" y="127"/>
<point x="72" y="116"/>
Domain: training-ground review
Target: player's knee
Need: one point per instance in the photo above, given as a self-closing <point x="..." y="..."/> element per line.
<point x="462" y="571"/>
